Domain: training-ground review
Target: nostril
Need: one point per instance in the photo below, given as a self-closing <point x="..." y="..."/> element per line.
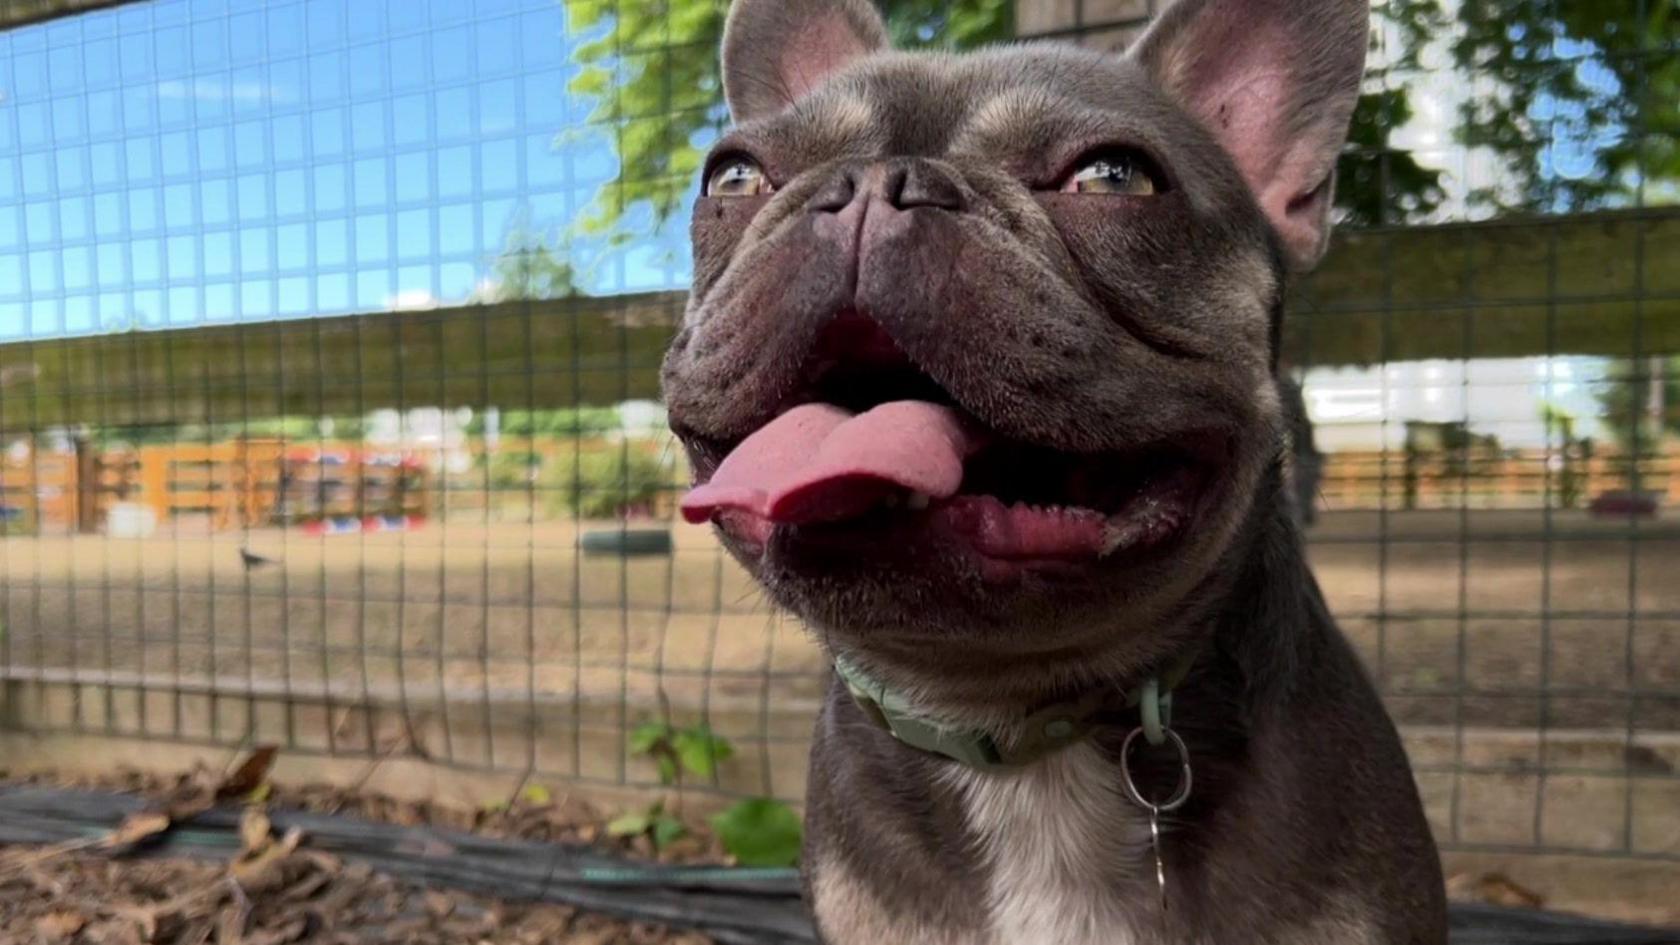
<point x="924" y="185"/>
<point x="902" y="185"/>
<point x="834" y="196"/>
<point x="892" y="185"/>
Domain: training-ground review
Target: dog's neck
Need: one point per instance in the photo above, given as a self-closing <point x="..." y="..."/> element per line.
<point x="1027" y="738"/>
<point x="1210" y="639"/>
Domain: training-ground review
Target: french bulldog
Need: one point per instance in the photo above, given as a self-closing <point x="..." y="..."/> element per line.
<point x="978" y="378"/>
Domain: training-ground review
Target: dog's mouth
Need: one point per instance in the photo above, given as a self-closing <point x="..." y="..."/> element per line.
<point x="874" y="449"/>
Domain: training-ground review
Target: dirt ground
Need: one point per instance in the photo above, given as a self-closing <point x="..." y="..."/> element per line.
<point x="88" y="899"/>
<point x="278" y="891"/>
<point x="1487" y="618"/>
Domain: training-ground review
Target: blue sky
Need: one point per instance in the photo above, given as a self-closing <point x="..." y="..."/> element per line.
<point x="182" y="162"/>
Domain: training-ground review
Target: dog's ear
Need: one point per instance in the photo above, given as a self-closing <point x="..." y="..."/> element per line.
<point x="776" y="51"/>
<point x="1276" y="82"/>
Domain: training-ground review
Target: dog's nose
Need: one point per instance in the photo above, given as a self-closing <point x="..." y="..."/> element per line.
<point x="902" y="185"/>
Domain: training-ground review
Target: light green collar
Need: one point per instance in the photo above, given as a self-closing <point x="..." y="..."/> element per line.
<point x="1042" y="732"/>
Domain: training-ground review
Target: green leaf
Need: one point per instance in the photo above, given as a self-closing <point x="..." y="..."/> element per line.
<point x="666" y="829"/>
<point x="630" y="824"/>
<point x="667" y="768"/>
<point x="700" y="751"/>
<point x="647" y="735"/>
<point x="536" y="794"/>
<point x="760" y="832"/>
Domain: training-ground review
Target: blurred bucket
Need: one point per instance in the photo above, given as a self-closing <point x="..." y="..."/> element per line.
<point x="130" y="520"/>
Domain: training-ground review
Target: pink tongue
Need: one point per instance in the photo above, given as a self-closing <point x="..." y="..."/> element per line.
<point x="819" y="463"/>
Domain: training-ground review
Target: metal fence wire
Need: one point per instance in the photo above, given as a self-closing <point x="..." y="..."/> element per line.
<point x="329" y="336"/>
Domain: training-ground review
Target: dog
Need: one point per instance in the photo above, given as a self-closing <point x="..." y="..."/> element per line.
<point x="978" y="377"/>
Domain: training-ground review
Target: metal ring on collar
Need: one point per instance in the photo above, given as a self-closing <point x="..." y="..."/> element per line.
<point x="1180" y="794"/>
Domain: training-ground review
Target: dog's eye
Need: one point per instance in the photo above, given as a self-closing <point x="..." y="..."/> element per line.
<point x="1115" y="172"/>
<point x="737" y="177"/>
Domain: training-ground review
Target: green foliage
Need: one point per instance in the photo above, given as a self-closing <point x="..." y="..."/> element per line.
<point x="514" y="469"/>
<point x="1640" y="404"/>
<point x="1376" y="184"/>
<point x="1448" y="450"/>
<point x="936" y="24"/>
<point x="571" y="421"/>
<point x="760" y="832"/>
<point x="605" y="484"/>
<point x="652" y="821"/>
<point x="531" y="267"/>
<point x="652" y="69"/>
<point x="694" y="750"/>
<point x="289" y="428"/>
<point x="1573" y="453"/>
<point x="678" y="752"/>
<point x="666" y="829"/>
<point x="699" y="751"/>
<point x="1587" y="76"/>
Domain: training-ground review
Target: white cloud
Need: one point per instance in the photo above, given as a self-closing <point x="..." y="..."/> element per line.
<point x="411" y="300"/>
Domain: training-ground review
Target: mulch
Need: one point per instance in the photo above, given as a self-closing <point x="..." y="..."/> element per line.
<point x="276" y="890"/>
<point x="83" y="898"/>
<point x="534" y="813"/>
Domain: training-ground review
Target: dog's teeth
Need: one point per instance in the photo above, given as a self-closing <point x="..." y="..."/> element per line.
<point x="890" y="501"/>
<point x="917" y="501"/>
<point x="1113" y="538"/>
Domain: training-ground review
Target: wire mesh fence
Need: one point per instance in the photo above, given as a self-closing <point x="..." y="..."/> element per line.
<point x="329" y="336"/>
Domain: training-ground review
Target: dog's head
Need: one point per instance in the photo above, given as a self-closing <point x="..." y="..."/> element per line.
<point x="981" y="346"/>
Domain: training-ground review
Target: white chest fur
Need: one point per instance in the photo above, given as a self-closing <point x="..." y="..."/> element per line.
<point x="1064" y="850"/>
<point x="1067" y="861"/>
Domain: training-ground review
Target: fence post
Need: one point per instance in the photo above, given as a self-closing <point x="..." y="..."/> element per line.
<point x="86" y="478"/>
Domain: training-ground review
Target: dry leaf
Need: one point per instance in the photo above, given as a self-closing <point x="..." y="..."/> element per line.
<point x="325" y="862"/>
<point x="137" y="827"/>
<point x="291" y="930"/>
<point x="188" y="800"/>
<point x="290" y="840"/>
<point x="1495" y="889"/>
<point x="145" y="920"/>
<point x="59" y="926"/>
<point x="112" y="932"/>
<point x="1501" y="890"/>
<point x="250" y="774"/>
<point x="263" y="870"/>
<point x="254" y="830"/>
<point x="197" y="935"/>
<point x="230" y="926"/>
<point x="439" y="905"/>
<point x="309" y="885"/>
